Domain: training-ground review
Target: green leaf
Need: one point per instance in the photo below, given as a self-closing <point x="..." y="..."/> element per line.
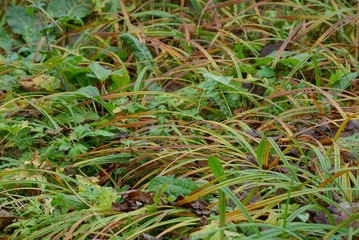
<point x="156" y="13"/>
<point x="174" y="186"/>
<point x="266" y="72"/>
<point x="341" y="78"/>
<point x="139" y="49"/>
<point x="103" y="133"/>
<point x="216" y="167"/>
<point x="294" y="60"/>
<point x="261" y="151"/>
<point x="23" y="24"/>
<point x="70" y="8"/>
<point x="64" y="145"/>
<point x="86" y="131"/>
<point x="5" y="40"/>
<point x="208" y="76"/>
<point x="81" y="132"/>
<point x="77" y="150"/>
<point x="119" y="78"/>
<point x="89" y="91"/>
<point x="100" y="72"/>
<point x="64" y="202"/>
<point x="263" y="61"/>
<point x="98" y="196"/>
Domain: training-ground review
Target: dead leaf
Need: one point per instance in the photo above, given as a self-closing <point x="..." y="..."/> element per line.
<point x="271" y="47"/>
<point x="6" y="219"/>
<point x="200" y="207"/>
<point x="39" y="83"/>
<point x="133" y="200"/>
<point x="339" y="213"/>
<point x="106" y="173"/>
<point x="350" y="129"/>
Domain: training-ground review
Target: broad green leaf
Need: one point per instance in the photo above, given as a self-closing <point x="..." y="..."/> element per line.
<point x="216" y="167"/>
<point x="5" y="40"/>
<point x="119" y="78"/>
<point x="70" y="8"/>
<point x="64" y="202"/>
<point x="89" y="91"/>
<point x="100" y="72"/>
<point x="217" y="78"/>
<point x="295" y="60"/>
<point x="266" y="72"/>
<point x="263" y="61"/>
<point x="21" y="23"/>
<point x="103" y="133"/>
<point x="341" y="78"/>
<point x="98" y="196"/>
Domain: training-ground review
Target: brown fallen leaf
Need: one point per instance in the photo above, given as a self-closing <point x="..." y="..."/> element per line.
<point x="133" y="200"/>
<point x="339" y="213"/>
<point x="145" y="236"/>
<point x="6" y="219"/>
<point x="271" y="47"/>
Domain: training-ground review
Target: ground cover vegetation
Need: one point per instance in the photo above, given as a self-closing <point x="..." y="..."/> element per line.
<point x="179" y="119"/>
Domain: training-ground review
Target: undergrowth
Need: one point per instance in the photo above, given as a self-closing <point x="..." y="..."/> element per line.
<point x="179" y="119"/>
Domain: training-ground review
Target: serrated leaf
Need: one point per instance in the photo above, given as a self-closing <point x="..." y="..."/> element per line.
<point x="263" y="61"/>
<point x="139" y="49"/>
<point x="81" y="132"/>
<point x="174" y="186"/>
<point x="77" y="150"/>
<point x="70" y="8"/>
